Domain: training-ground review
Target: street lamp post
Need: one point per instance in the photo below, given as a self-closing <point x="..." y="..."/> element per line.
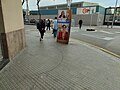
<point x="23" y="2"/>
<point x="114" y="13"/>
<point x="69" y="3"/>
<point x="38" y="1"/>
<point x="27" y="11"/>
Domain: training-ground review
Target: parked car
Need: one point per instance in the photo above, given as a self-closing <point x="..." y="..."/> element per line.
<point x="32" y="21"/>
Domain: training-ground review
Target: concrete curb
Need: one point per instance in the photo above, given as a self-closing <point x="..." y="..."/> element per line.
<point x="3" y="63"/>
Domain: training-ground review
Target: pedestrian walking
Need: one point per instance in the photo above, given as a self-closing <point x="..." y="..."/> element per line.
<point x="80" y="23"/>
<point x="48" y="24"/>
<point x="44" y="22"/>
<point x="41" y="28"/>
<point x="108" y="24"/>
<point x="55" y="27"/>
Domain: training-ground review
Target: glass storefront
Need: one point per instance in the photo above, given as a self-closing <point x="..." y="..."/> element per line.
<point x="109" y="13"/>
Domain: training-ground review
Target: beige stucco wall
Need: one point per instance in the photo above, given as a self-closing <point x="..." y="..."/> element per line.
<point x="87" y="19"/>
<point x="12" y="15"/>
<point x="100" y="19"/>
<point x="1" y="20"/>
<point x="12" y="33"/>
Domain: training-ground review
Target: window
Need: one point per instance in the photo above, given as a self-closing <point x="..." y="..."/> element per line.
<point x="109" y="11"/>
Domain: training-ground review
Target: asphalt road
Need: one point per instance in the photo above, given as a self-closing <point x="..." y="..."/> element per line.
<point x="103" y="37"/>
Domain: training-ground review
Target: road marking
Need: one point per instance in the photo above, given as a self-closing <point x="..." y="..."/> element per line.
<point x="91" y="36"/>
<point x="117" y="32"/>
<point x="100" y="48"/>
<point x="74" y="31"/>
<point x="106" y="32"/>
<point x="108" y="38"/>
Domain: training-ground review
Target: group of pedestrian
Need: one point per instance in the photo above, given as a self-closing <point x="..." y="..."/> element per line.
<point x="42" y="24"/>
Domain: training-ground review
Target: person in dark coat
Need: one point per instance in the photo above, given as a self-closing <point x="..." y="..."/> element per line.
<point x="41" y="28"/>
<point x="108" y="24"/>
<point x="48" y="24"/>
<point x="80" y="23"/>
<point x="44" y="22"/>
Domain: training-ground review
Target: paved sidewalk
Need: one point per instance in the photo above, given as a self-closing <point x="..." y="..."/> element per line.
<point x="49" y="65"/>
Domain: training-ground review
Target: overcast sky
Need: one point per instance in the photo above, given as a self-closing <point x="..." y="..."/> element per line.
<point x="104" y="3"/>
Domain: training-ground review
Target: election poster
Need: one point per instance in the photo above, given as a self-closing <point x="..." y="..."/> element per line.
<point x="64" y="25"/>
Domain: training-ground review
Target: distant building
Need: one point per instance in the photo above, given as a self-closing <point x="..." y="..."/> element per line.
<point x="80" y="10"/>
<point x="109" y="13"/>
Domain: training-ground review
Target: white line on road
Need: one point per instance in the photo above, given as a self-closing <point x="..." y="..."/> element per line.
<point x="108" y="38"/>
<point x="91" y="36"/>
<point x="106" y="32"/>
<point x="105" y="38"/>
<point x="117" y="32"/>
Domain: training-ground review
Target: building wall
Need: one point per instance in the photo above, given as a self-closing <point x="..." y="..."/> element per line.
<point x="12" y="27"/>
<point x="1" y="20"/>
<point x="87" y="19"/>
<point x="100" y="10"/>
<point x="97" y="20"/>
<point x="109" y="13"/>
<point x="100" y="19"/>
<point x="42" y="17"/>
<point x="14" y="10"/>
<point x="89" y="4"/>
<point x="73" y="5"/>
<point x="50" y="12"/>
